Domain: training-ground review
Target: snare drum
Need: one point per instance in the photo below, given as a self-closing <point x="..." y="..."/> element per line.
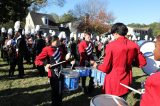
<point x="71" y="79"/>
<point x="107" y="100"/>
<point x="98" y="77"/>
<point x="152" y="65"/>
<point x="83" y="71"/>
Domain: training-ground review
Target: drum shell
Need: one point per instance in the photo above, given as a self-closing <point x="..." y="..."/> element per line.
<point x="107" y="100"/>
<point x="98" y="76"/>
<point x="71" y="80"/>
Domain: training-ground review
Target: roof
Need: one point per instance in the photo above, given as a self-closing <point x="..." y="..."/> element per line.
<point x="143" y="29"/>
<point x="37" y="19"/>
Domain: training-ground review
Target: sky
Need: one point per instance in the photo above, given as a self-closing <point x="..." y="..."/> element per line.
<point x="126" y="11"/>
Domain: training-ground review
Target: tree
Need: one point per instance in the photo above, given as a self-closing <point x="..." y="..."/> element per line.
<point x="94" y="16"/>
<point x="55" y="17"/>
<point x="18" y="9"/>
<point x="66" y="17"/>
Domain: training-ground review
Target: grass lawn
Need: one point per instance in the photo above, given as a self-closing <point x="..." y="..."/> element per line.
<point x="35" y="91"/>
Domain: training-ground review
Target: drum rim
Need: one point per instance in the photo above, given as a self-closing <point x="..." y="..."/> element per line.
<point x="109" y="95"/>
<point x="144" y="43"/>
<point x="82" y="67"/>
<point x="75" y="75"/>
<point x="91" y="102"/>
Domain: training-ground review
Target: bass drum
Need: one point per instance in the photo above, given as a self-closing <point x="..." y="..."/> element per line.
<point x="152" y="65"/>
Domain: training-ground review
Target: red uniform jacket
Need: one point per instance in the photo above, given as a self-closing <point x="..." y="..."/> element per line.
<point x="151" y="97"/>
<point x="117" y="64"/>
<point x="85" y="50"/>
<point x="51" y="52"/>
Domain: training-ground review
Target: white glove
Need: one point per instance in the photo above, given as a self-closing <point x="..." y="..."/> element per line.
<point x="68" y="56"/>
<point x="47" y="67"/>
<point x="73" y="62"/>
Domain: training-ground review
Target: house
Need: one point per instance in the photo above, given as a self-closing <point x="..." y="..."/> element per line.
<point x="140" y="32"/>
<point x="45" y="21"/>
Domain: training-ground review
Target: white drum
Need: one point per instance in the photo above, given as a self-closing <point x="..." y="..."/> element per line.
<point x="152" y="65"/>
<point x="107" y="100"/>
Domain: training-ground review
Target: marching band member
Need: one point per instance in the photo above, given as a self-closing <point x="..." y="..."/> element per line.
<point x="117" y="63"/>
<point x="11" y="45"/>
<point x="2" y="41"/>
<point x="21" y="49"/>
<point x="56" y="78"/>
<point x="151" y="96"/>
<point x="63" y="48"/>
<point x="85" y="49"/>
<point x="38" y="46"/>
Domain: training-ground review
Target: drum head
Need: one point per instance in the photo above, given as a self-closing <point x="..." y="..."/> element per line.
<point x="107" y="100"/>
<point x="147" y="46"/>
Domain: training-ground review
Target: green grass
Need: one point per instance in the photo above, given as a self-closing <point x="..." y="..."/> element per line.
<point x="35" y="91"/>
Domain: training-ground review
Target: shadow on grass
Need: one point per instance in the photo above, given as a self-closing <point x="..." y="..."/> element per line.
<point x="81" y="99"/>
<point x="30" y="96"/>
<point x="28" y="74"/>
<point x="29" y="68"/>
<point x="4" y="64"/>
<point x="2" y="70"/>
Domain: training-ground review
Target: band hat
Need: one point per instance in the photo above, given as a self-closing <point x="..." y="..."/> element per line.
<point x="97" y="37"/>
<point x="23" y="32"/>
<point x="10" y="31"/>
<point x="82" y="35"/>
<point x="45" y="34"/>
<point x="62" y="35"/>
<point x="53" y="33"/>
<point x="17" y="25"/>
<point x="50" y="31"/>
<point x="37" y="28"/>
<point x="3" y="30"/>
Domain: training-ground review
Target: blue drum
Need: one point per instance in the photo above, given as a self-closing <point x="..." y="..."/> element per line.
<point x="83" y="71"/>
<point x="71" y="80"/>
<point x="98" y="77"/>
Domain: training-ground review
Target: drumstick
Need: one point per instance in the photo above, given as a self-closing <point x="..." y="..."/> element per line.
<point x="116" y="101"/>
<point x="58" y="63"/>
<point x="131" y="88"/>
<point x="72" y="66"/>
